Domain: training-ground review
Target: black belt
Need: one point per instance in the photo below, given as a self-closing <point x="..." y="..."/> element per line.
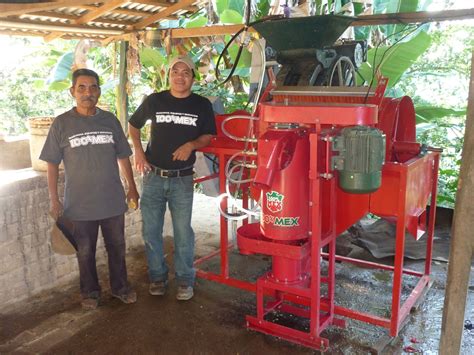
<point x="172" y="173"/>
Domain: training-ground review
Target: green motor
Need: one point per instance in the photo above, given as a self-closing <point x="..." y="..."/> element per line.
<point x="361" y="156"/>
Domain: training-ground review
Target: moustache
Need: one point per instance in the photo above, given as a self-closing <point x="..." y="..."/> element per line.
<point x="88" y="98"/>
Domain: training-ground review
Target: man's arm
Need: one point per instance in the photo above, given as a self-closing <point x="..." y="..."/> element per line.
<point x="127" y="172"/>
<point x="141" y="164"/>
<point x="56" y="207"/>
<point x="184" y="151"/>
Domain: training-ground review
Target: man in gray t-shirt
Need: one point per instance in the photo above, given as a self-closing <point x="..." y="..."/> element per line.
<point x="92" y="145"/>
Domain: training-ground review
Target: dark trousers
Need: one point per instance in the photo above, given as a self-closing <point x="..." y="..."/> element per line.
<point x="85" y="235"/>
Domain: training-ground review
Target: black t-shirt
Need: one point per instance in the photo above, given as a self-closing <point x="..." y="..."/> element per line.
<point x="174" y="121"/>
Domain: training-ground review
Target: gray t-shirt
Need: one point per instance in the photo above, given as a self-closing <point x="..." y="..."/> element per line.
<point x="89" y="147"/>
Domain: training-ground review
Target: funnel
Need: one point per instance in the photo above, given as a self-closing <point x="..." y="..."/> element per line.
<point x="303" y="32"/>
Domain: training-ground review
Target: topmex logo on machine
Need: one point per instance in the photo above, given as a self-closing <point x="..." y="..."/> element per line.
<point x="274" y="205"/>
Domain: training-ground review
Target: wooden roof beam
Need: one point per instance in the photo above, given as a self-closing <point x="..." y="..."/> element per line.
<point x="160" y="3"/>
<point x="111" y="21"/>
<point x="20" y="9"/>
<point x="182" y="4"/>
<point x="413" y="17"/>
<point x="52" y="36"/>
<point x="366" y="20"/>
<point x="215" y="30"/>
<point x="51" y="27"/>
<point x="106" y="7"/>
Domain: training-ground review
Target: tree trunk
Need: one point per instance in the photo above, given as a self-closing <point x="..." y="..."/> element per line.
<point x="461" y="252"/>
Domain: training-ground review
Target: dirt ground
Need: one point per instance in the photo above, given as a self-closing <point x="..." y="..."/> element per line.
<point x="213" y="322"/>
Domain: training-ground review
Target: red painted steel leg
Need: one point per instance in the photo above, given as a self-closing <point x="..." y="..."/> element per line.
<point x="315" y="228"/>
<point x="224" y="226"/>
<point x="432" y="217"/>
<point x="399" y="255"/>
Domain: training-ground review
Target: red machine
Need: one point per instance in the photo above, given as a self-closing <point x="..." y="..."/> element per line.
<point x="326" y="157"/>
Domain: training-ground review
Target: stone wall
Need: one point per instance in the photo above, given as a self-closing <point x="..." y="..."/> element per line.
<point x="15" y="153"/>
<point x="27" y="263"/>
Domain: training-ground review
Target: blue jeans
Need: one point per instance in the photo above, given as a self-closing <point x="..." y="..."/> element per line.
<point x="178" y="193"/>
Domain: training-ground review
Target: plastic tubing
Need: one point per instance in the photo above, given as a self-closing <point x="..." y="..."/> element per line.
<point x="239" y="139"/>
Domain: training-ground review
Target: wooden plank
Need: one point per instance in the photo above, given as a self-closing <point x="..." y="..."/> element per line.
<point x="161" y="3"/>
<point x="162" y="14"/>
<point x="206" y="31"/>
<point x="59" y="27"/>
<point x="462" y="243"/>
<point x="52" y="36"/>
<point x="144" y="14"/>
<point x="111" y="21"/>
<point x="122" y="97"/>
<point x="20" y="9"/>
<point x="91" y="15"/>
<point x="413" y="17"/>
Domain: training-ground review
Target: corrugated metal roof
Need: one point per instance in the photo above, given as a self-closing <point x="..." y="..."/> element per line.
<point x="84" y="19"/>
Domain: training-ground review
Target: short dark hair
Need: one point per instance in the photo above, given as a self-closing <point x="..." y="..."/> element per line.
<point x="84" y="72"/>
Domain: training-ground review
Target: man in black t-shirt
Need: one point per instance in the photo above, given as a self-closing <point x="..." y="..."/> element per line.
<point x="181" y="122"/>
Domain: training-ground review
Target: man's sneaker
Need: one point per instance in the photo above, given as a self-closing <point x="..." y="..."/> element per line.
<point x="90" y="303"/>
<point x="184" y="293"/>
<point x="157" y="288"/>
<point x="129" y="297"/>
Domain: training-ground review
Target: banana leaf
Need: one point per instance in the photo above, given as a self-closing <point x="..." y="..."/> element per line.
<point x="60" y="77"/>
<point x="396" y="59"/>
<point x="151" y="57"/>
<point x="430" y="113"/>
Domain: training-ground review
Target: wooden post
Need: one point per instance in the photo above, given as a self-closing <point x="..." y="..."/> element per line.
<point x="122" y="97"/>
<point x="461" y="250"/>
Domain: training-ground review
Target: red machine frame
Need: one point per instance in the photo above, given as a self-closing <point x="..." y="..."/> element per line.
<point x="407" y="185"/>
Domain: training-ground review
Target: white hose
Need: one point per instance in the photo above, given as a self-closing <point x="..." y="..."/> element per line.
<point x="262" y="76"/>
<point x="230" y="118"/>
<point x="230" y="170"/>
<point x="233" y="217"/>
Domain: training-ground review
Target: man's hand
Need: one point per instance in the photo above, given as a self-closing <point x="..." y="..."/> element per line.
<point x="183" y="152"/>
<point x="141" y="165"/>
<point x="56" y="209"/>
<point x="132" y="198"/>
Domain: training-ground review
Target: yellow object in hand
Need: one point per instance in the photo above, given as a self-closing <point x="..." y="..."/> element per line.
<point x="132" y="204"/>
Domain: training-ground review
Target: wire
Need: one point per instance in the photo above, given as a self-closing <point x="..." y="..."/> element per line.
<point x="232" y="39"/>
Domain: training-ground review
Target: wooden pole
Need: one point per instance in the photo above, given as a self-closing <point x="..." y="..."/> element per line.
<point x="462" y="241"/>
<point x="122" y="97"/>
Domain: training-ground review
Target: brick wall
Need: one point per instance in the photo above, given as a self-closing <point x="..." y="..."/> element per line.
<point x="27" y="263"/>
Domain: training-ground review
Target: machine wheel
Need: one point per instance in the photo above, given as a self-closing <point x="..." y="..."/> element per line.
<point x="342" y="73"/>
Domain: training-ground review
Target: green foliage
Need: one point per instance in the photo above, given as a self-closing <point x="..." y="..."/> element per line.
<point x="438" y="84"/>
<point x="262" y="9"/>
<point x="446" y="133"/>
<point x="394" y="60"/>
<point x="231" y="101"/>
<point x="232" y="5"/>
<point x="60" y="77"/>
<point x="199" y="21"/>
<point x="432" y="113"/>
<point x="23" y="92"/>
<point x="230" y="16"/>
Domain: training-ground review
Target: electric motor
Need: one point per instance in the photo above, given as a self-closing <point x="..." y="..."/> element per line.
<point x="361" y="156"/>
